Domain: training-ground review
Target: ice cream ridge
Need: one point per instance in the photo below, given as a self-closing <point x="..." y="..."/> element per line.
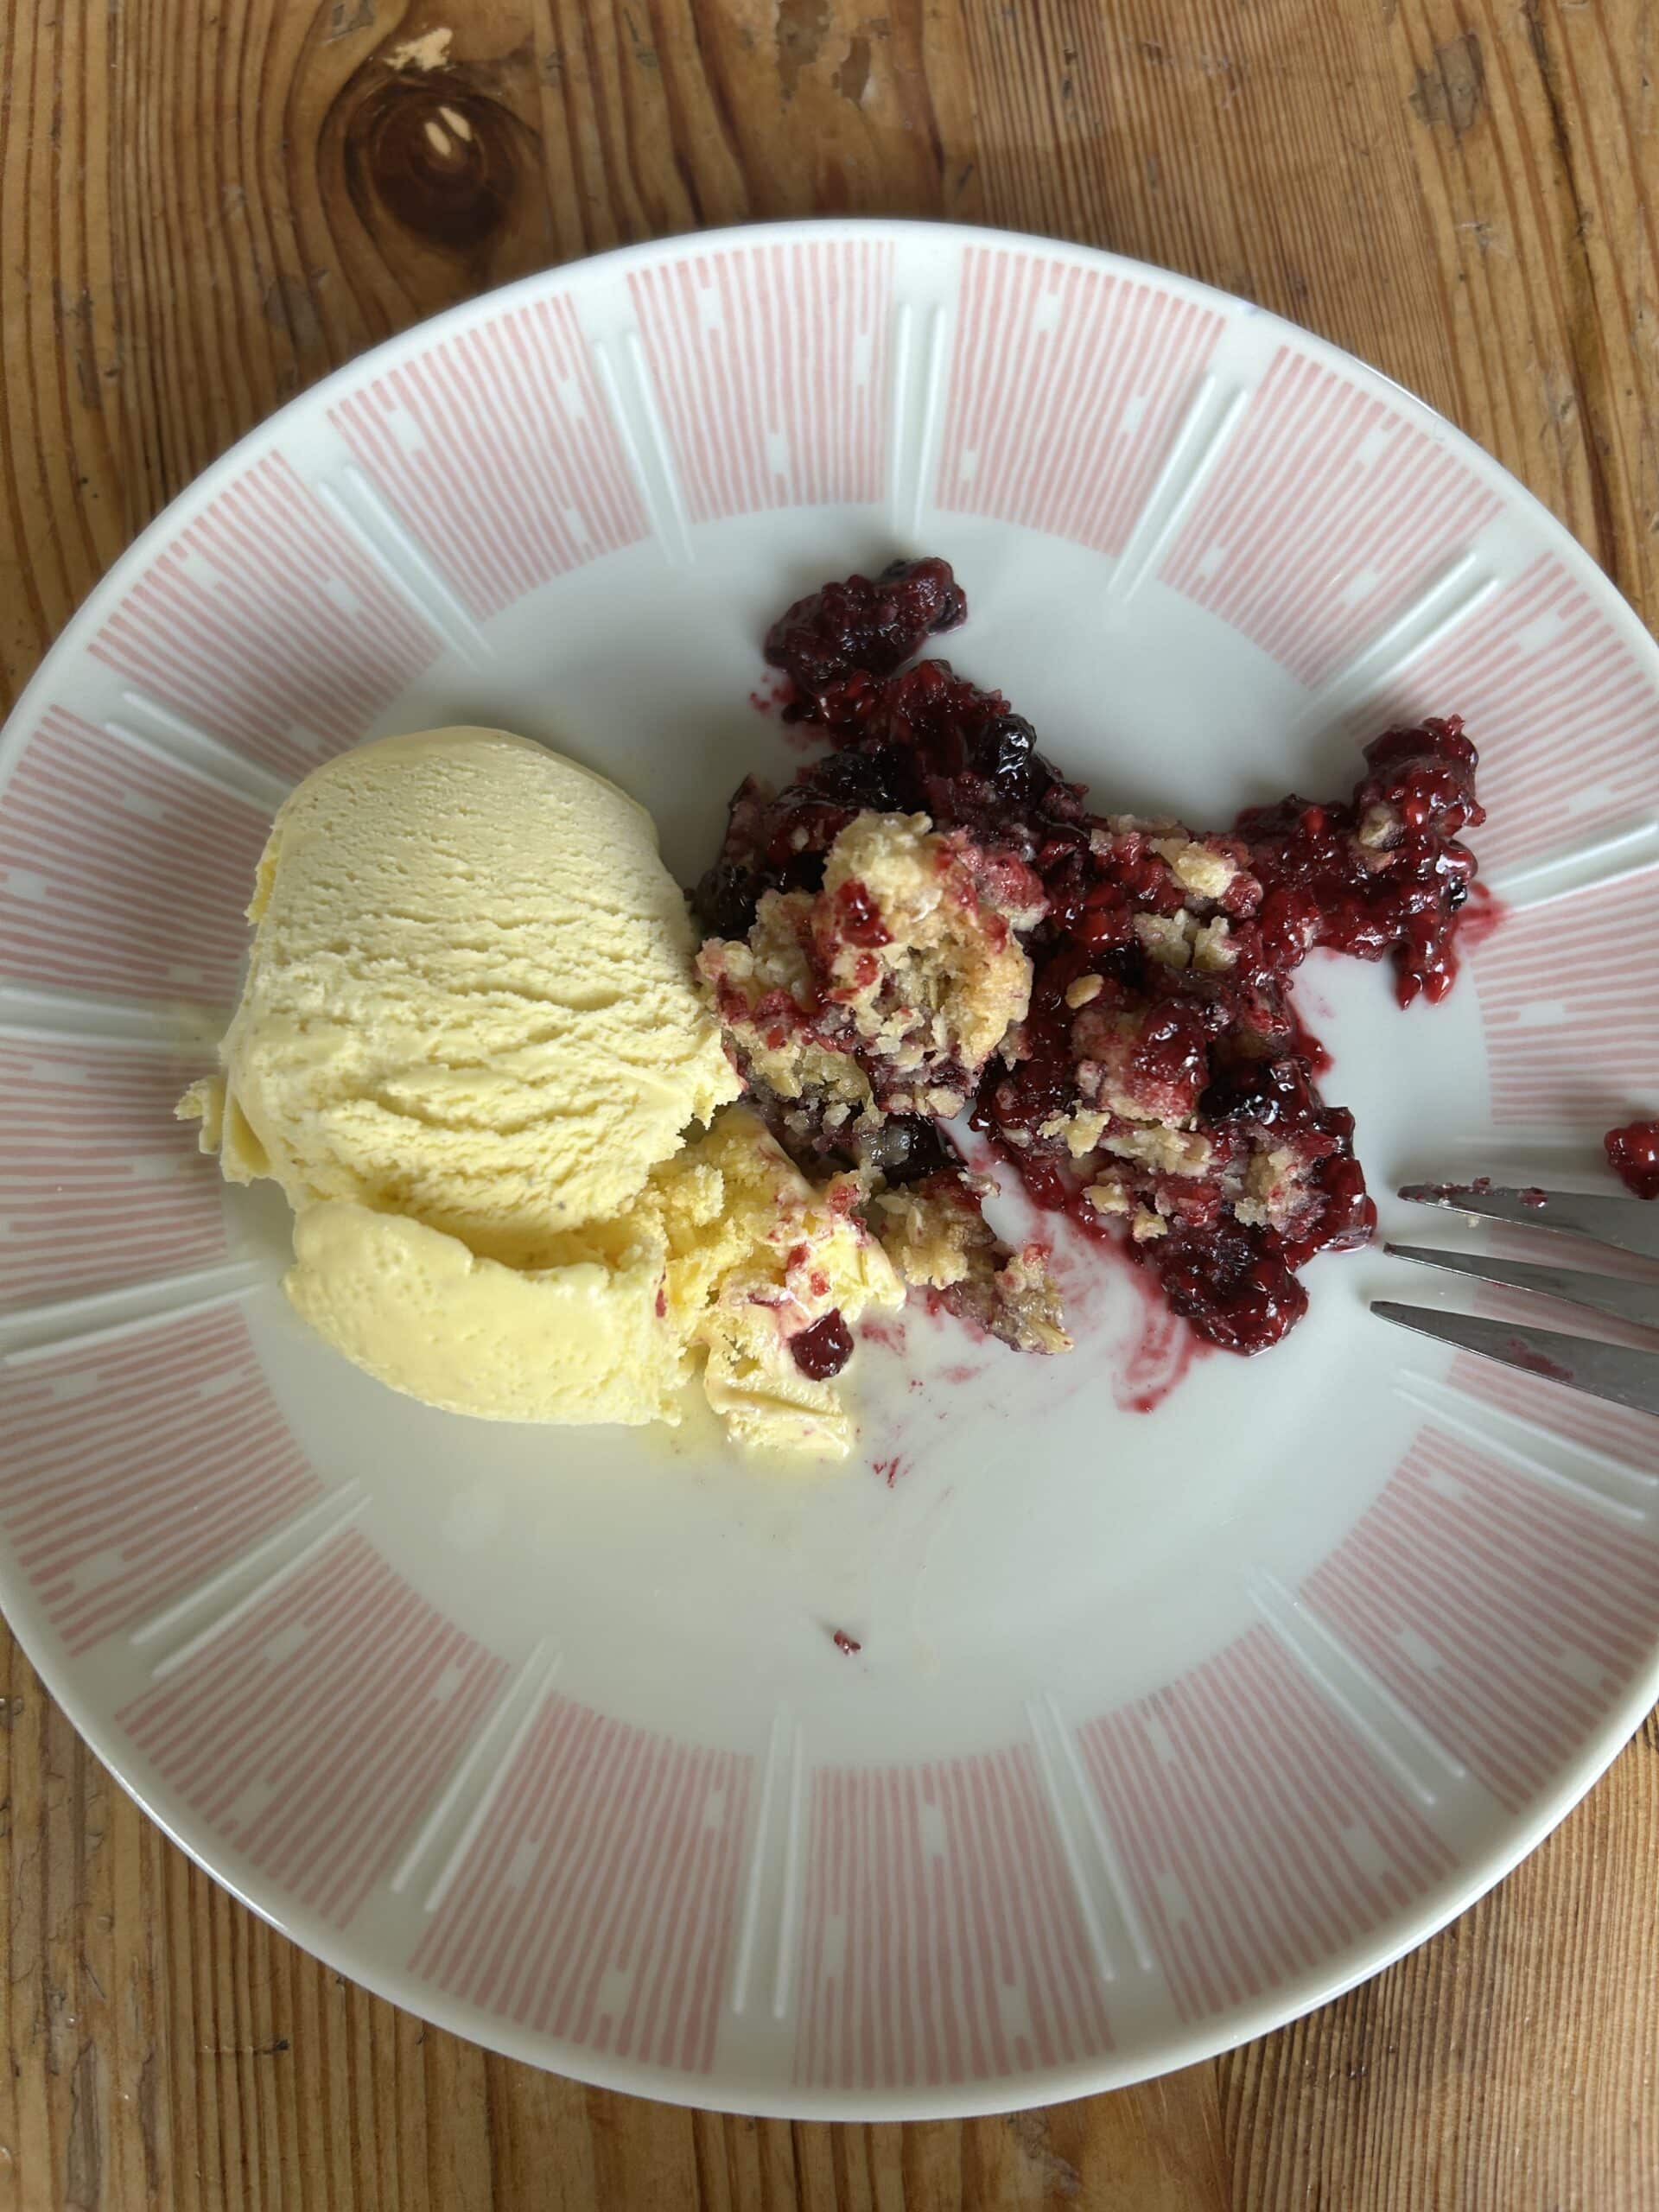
<point x="471" y="1051"/>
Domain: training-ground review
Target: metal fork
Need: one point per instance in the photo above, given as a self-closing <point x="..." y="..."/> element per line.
<point x="1625" y="1376"/>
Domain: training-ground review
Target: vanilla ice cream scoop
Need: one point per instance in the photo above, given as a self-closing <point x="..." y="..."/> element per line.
<point x="467" y="999"/>
<point x="471" y="1051"/>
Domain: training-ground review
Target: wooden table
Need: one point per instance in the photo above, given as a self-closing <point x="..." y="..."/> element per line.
<point x="205" y="205"/>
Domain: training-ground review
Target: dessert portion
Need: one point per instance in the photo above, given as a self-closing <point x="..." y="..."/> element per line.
<point x="1124" y="1035"/>
<point x="480" y="1053"/>
<point x="471" y="1051"/>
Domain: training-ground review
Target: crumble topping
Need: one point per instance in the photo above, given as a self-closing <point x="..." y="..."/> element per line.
<point x="888" y="987"/>
<point x="938" y="1241"/>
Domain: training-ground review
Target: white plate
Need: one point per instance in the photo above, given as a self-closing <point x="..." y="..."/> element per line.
<point x="1165" y="1726"/>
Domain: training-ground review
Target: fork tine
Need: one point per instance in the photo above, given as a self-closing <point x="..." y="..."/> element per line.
<point x="1624" y="1378"/>
<point x="1630" y="1224"/>
<point x="1626" y="1301"/>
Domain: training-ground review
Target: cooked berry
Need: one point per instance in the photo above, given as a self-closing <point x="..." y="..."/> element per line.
<point x="1633" y="1151"/>
<point x="874" y="626"/>
<point x="824" y="1348"/>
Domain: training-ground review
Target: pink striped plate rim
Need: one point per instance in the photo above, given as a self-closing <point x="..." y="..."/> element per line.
<point x="768" y="1900"/>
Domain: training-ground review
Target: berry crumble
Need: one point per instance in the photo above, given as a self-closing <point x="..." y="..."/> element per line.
<point x="932" y="921"/>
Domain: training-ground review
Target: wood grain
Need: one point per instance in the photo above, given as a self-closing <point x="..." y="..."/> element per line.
<point x="204" y="208"/>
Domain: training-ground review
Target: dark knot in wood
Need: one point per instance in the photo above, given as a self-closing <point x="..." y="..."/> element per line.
<point x="441" y="160"/>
